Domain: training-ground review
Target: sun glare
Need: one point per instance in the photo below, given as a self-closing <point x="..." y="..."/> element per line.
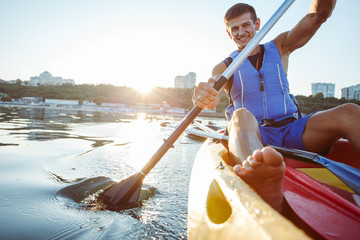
<point x="142" y="86"/>
<point x="144" y="143"/>
<point x="144" y="89"/>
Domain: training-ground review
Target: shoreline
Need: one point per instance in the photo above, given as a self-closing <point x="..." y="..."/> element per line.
<point x="111" y="110"/>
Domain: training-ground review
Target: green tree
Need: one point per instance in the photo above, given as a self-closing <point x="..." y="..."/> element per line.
<point x="176" y="97"/>
<point x="319" y="95"/>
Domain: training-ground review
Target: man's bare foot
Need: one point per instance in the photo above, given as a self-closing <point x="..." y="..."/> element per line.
<point x="264" y="170"/>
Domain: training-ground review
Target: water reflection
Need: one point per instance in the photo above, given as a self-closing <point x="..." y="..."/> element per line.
<point x="61" y="115"/>
<point x="42" y="124"/>
<point x="53" y="163"/>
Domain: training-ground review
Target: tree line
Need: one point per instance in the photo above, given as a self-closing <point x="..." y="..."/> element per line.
<point x="176" y="97"/>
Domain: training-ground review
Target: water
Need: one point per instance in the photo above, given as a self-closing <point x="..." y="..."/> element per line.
<point x="50" y="160"/>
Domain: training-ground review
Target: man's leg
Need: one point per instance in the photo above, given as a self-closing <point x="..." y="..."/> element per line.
<point x="262" y="169"/>
<point x="244" y="135"/>
<point x="325" y="127"/>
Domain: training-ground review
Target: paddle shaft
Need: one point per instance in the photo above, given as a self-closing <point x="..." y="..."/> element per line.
<point x="220" y="82"/>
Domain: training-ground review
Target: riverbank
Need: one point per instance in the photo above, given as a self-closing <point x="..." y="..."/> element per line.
<point x="110" y="110"/>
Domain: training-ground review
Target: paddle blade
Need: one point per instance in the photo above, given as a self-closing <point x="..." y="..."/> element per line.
<point x="349" y="175"/>
<point x="123" y="193"/>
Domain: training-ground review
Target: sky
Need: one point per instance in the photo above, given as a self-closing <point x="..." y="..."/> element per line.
<point x="143" y="43"/>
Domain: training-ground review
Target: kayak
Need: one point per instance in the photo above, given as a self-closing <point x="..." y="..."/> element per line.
<point x="320" y="206"/>
<point x="192" y="132"/>
<point x="195" y="132"/>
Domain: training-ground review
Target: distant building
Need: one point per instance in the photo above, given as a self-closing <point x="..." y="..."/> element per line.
<point x="327" y="89"/>
<point x="187" y="81"/>
<point x="352" y="92"/>
<point x="46" y="79"/>
<point x="145" y="107"/>
<point x="31" y="100"/>
<point x="88" y="104"/>
<point x="61" y="102"/>
<point x="113" y="105"/>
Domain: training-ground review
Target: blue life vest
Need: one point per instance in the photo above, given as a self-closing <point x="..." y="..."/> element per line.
<point x="275" y="101"/>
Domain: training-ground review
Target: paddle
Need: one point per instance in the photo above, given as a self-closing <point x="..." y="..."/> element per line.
<point x="127" y="191"/>
<point x="349" y="175"/>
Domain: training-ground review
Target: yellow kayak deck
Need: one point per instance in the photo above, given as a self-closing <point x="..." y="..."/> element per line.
<point x="222" y="206"/>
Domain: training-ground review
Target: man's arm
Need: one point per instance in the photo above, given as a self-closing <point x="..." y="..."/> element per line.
<point x="205" y="95"/>
<point x="287" y="42"/>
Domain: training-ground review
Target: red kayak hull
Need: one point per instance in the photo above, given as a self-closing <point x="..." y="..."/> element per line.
<point x="332" y="213"/>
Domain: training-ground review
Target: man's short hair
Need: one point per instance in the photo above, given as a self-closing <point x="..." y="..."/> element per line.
<point x="237" y="10"/>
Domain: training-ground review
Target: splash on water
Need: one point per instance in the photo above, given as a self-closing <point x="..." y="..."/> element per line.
<point x="85" y="195"/>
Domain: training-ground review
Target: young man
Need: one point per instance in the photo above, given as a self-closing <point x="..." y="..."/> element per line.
<point x="262" y="111"/>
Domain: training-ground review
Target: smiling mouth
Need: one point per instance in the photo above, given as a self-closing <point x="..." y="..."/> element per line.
<point x="242" y="39"/>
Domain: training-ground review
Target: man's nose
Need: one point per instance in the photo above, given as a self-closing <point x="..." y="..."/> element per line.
<point x="241" y="30"/>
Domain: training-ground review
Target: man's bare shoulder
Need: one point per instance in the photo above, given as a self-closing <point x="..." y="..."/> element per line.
<point x="280" y="42"/>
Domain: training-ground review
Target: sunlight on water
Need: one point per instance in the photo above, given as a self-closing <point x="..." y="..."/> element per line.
<point x="144" y="140"/>
<point x="53" y="162"/>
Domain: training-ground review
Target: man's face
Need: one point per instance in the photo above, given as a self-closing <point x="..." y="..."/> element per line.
<point x="242" y="29"/>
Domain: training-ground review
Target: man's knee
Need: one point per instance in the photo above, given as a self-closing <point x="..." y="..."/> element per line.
<point x="350" y="111"/>
<point x="242" y="117"/>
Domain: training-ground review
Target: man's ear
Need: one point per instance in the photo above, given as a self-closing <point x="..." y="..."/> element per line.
<point x="227" y="30"/>
<point x="257" y="24"/>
